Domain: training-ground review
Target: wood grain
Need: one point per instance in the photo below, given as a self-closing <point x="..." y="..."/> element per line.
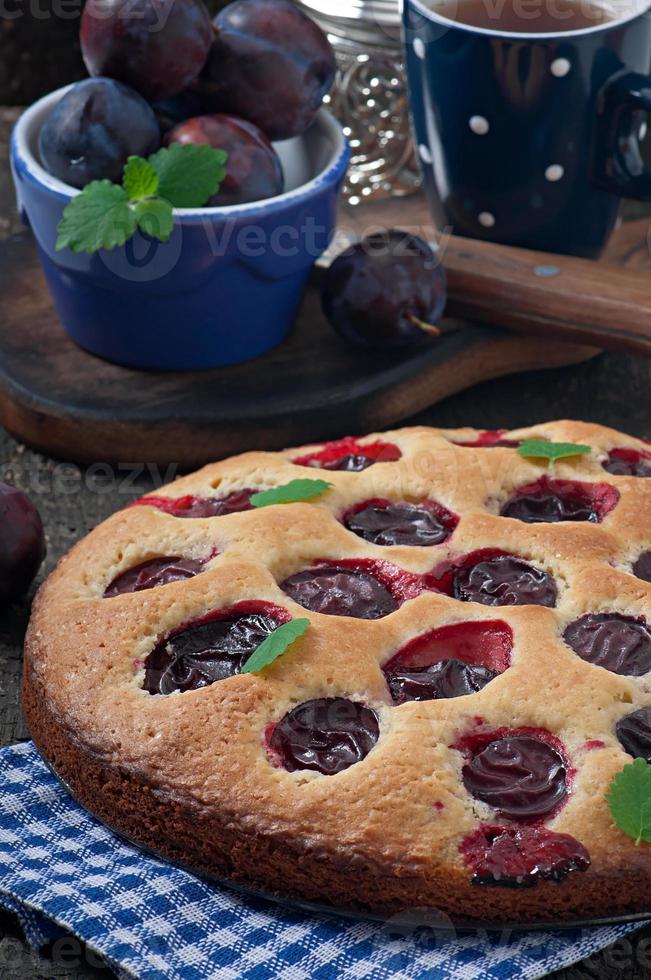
<point x="557" y="296"/>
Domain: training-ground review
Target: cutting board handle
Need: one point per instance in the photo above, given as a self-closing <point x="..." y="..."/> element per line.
<point x="552" y="296"/>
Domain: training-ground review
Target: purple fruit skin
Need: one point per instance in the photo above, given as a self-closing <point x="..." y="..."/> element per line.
<point x="327" y="735"/>
<point x="158" y="47"/>
<point x="548" y="508"/>
<point x="269" y="63"/>
<point x="521" y="776"/>
<point x="154" y="573"/>
<point x="335" y="591"/>
<point x="253" y="168"/>
<point x="621" y="644"/>
<point x="370" y="293"/>
<point x="398" y="524"/>
<point x="92" y="131"/>
<point x="205" y="652"/>
<point x="446" y="679"/>
<point x="634" y="734"/>
<point x="22" y="543"/>
<point x="505" y="581"/>
<point x="642" y="567"/>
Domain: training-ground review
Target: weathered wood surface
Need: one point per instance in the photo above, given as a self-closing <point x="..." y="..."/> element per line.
<point x="612" y="389"/>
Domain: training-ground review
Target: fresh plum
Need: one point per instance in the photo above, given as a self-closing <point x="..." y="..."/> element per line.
<point x="253" y="168"/>
<point x="387" y="291"/>
<point x="93" y="129"/>
<point x="22" y="543"/>
<point x="269" y="63"/>
<point x="157" y="47"/>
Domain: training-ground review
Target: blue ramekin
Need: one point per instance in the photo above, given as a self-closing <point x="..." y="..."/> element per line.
<point x="224" y="289"/>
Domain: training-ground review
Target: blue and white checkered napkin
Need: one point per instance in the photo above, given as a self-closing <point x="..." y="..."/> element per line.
<point x="61" y="871"/>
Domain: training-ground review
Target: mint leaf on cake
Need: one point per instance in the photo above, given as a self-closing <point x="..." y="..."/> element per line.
<point x="551" y="451"/>
<point x="629" y="799"/>
<point x="293" y="492"/>
<point x="275" y="645"/>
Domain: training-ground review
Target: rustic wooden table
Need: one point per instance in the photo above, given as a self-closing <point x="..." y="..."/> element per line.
<point x="612" y="389"/>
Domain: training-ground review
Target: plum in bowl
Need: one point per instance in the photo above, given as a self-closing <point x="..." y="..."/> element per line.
<point x="226" y="286"/>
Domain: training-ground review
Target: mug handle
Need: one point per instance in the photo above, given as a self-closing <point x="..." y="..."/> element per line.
<point x="618" y="166"/>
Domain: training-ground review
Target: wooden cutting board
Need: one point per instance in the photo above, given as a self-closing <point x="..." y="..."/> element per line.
<point x="69" y="404"/>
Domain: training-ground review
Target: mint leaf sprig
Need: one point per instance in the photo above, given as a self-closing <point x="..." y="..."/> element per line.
<point x="106" y="215"/>
<point x="629" y="800"/>
<point x="551" y="451"/>
<point x="274" y="645"/>
<point x="293" y="492"/>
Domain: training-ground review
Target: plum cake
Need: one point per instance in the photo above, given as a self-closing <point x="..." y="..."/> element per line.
<point x="473" y="670"/>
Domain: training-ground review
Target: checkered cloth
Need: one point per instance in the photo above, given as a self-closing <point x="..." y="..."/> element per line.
<point x="63" y="872"/>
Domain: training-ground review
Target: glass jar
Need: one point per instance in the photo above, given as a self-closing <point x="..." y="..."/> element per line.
<point x="369" y="96"/>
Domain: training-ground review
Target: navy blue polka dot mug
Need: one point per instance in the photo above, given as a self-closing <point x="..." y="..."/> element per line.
<point x="530" y="138"/>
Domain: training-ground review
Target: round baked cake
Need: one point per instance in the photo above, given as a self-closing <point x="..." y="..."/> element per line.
<point x="474" y="670"/>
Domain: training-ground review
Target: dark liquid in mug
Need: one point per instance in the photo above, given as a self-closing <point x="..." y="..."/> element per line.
<point x="526" y="16"/>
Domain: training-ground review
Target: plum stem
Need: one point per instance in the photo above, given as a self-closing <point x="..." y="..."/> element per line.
<point x="425" y="327"/>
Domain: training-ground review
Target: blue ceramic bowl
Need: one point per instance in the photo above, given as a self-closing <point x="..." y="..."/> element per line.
<point x="224" y="289"/>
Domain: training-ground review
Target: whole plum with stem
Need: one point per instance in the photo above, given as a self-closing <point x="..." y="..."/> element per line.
<point x="386" y="291"/>
<point x="92" y="131"/>
<point x="157" y="47"/>
<point x="253" y="168"/>
<point x="22" y="543"/>
<point x="269" y="63"/>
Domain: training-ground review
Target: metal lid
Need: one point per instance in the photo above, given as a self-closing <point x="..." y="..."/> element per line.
<point x="364" y="21"/>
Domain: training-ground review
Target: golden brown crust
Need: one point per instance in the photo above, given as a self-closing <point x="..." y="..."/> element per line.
<point x="188" y="775"/>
